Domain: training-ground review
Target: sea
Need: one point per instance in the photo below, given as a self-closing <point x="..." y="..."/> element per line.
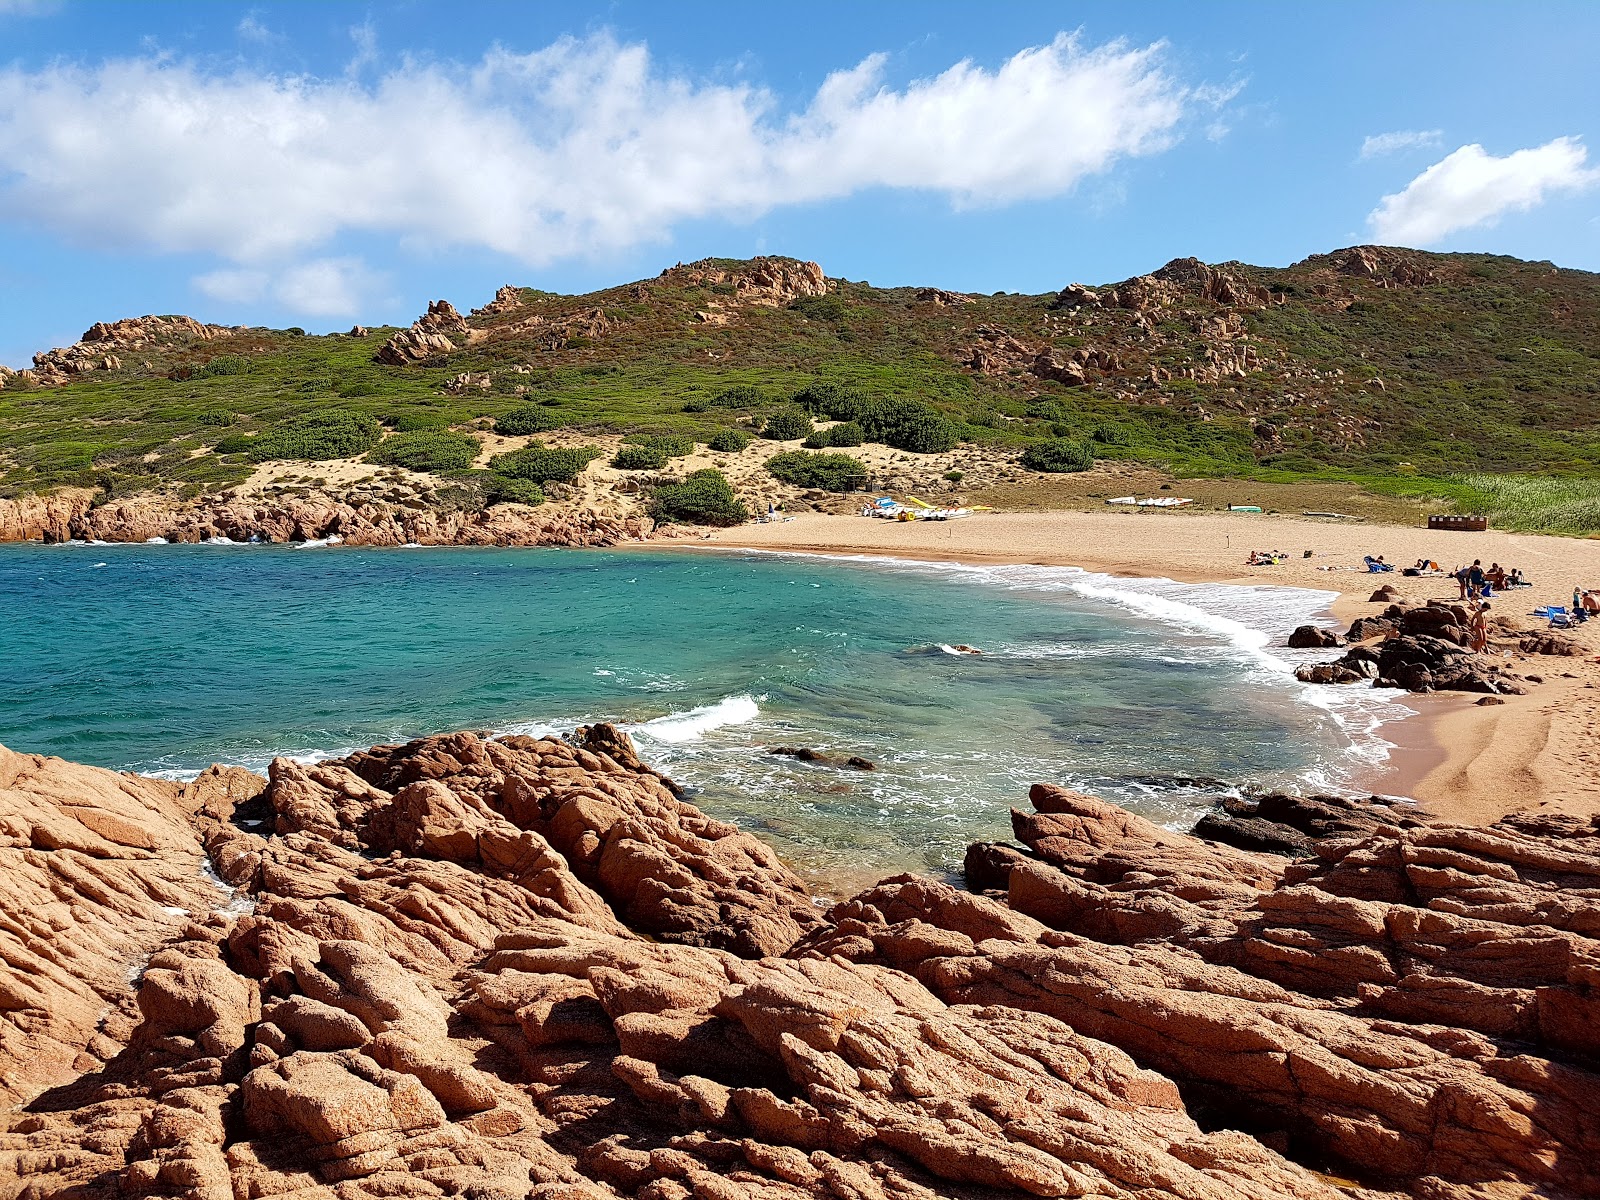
<point x="1159" y="695"/>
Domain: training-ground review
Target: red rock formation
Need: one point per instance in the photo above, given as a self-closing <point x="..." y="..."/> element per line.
<point x="426" y="998"/>
<point x="97" y="349"/>
<point x="528" y="968"/>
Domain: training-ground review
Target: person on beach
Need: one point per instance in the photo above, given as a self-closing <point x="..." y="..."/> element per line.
<point x="1461" y="575"/>
<point x="1478" y="628"/>
<point x="1496" y="575"/>
<point x="1591" y="603"/>
<point x="1475" y="575"/>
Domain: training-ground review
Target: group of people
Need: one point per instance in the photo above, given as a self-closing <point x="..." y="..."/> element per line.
<point x="1477" y="582"/>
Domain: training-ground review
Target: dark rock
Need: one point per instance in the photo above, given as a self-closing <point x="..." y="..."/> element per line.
<point x="1312" y="637"/>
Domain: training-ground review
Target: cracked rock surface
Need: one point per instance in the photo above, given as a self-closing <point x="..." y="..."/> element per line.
<point x="528" y="968"/>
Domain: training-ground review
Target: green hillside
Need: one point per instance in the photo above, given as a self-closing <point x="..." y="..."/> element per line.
<point x="1411" y="371"/>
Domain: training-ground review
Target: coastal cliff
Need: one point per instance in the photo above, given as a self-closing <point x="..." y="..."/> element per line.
<point x="530" y="968"/>
<point x="74" y="515"/>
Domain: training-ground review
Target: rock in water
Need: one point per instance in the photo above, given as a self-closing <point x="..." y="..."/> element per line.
<point x="528" y="968"/>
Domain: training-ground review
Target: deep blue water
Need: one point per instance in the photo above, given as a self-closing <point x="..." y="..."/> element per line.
<point x="167" y="658"/>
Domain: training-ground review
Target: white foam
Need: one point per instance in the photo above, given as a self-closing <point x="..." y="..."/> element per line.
<point x="691" y="726"/>
<point x="155" y="541"/>
<point x="317" y="543"/>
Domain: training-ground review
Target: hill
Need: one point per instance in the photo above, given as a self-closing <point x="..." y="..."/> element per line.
<point x="1412" y="372"/>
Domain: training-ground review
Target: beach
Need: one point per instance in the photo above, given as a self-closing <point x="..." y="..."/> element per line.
<point x="1459" y="760"/>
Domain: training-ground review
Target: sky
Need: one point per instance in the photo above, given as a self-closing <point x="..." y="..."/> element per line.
<point x="325" y="164"/>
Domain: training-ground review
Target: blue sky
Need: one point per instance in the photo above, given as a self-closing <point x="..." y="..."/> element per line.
<point x="320" y="164"/>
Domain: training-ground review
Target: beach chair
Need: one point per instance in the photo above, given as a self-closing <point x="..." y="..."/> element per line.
<point x="1559" y="617"/>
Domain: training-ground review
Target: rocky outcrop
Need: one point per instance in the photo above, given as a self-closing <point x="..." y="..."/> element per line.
<point x="67" y="516"/>
<point x="102" y="345"/>
<point x="413" y="345"/>
<point x="940" y="298"/>
<point x="422" y="976"/>
<point x="43" y="518"/>
<point x="1414" y="1001"/>
<point x="1189" y="278"/>
<point x="767" y="280"/>
<point x="507" y="299"/>
<point x="1312" y="637"/>
<point x="1385" y="265"/>
<point x="996" y="352"/>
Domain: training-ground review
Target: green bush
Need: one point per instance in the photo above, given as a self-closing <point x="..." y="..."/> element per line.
<point x="544" y="464"/>
<point x="529" y="418"/>
<point x="903" y="424"/>
<point x="427" y="450"/>
<point x="223" y="364"/>
<point x="729" y="440"/>
<point x="411" y="422"/>
<point x="704" y="498"/>
<point x="740" y="395"/>
<point x="317" y="437"/>
<point x="235" y="443"/>
<point x="830" y="472"/>
<point x="217" y="417"/>
<point x="639" y="458"/>
<point x="787" y="424"/>
<point x="1058" y="456"/>
<point x="669" y="445"/>
<point x="846" y="433"/>
<point x="501" y="490"/>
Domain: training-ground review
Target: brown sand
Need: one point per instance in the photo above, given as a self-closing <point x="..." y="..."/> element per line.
<point x="1460" y="760"/>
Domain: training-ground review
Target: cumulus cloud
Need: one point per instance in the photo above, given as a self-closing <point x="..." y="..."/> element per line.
<point x="1471" y="188"/>
<point x="322" y="287"/>
<point x="1401" y="139"/>
<point x="583" y="147"/>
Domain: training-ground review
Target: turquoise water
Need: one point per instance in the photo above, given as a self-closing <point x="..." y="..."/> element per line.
<point x="167" y="658"/>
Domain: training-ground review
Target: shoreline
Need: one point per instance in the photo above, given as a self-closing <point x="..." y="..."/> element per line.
<point x="1458" y="760"/>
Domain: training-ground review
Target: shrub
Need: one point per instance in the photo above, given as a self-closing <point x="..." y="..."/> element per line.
<point x="317" y="437"/>
<point x="501" y="490"/>
<point x="1060" y="455"/>
<point x="427" y="450"/>
<point x="669" y="445"/>
<point x="845" y="433"/>
<point x="704" y="498"/>
<point x="830" y="472"/>
<point x="639" y="458"/>
<point x="903" y="424"/>
<point x="740" y="395"/>
<point x="235" y="443"/>
<point x="786" y="424"/>
<point x="729" y="441"/>
<point x="411" y="422"/>
<point x="216" y="416"/>
<point x="544" y="464"/>
<point x="955" y="476"/>
<point x="223" y="364"/>
<point x="529" y="418"/>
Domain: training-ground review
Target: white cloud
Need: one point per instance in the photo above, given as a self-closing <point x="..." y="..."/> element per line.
<point x="323" y="287"/>
<point x="579" y="148"/>
<point x="1470" y="188"/>
<point x="251" y="29"/>
<point x="1401" y="139"/>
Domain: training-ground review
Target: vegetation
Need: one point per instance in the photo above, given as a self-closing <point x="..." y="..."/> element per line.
<point x="829" y="472"/>
<point x="786" y="425"/>
<point x="1060" y="455"/>
<point x="703" y="498"/>
<point x="525" y="419"/>
<point x="544" y="464"/>
<point x="639" y="458"/>
<point x="729" y="440"/>
<point x="1413" y="374"/>
<point x="427" y="450"/>
<point x="316" y="437"/>
<point x="669" y="445"/>
<point x="845" y="433"/>
<point x="500" y="490"/>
